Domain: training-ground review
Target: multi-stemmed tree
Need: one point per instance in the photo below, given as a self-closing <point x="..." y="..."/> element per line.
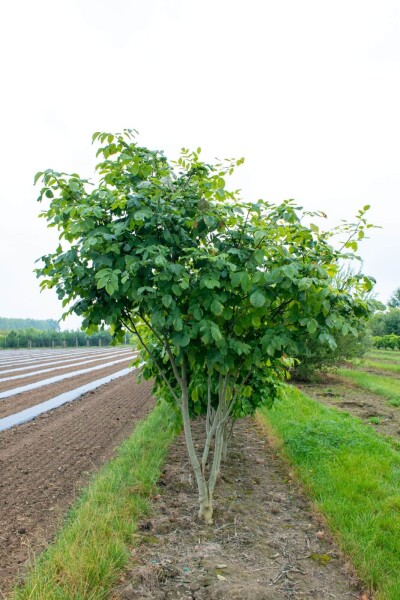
<point x="222" y="294"/>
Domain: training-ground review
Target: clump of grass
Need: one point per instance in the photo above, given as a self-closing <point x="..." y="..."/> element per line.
<point x="93" y="546"/>
<point x="375" y="420"/>
<point x="388" y="387"/>
<point x="353" y="474"/>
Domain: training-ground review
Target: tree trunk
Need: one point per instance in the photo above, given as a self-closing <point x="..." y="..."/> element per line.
<point x="217" y="431"/>
<point x="205" y="502"/>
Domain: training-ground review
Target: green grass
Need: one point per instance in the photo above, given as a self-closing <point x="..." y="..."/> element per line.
<point x="379" y="365"/>
<point x="93" y="547"/>
<point x="388" y="387"/>
<point x="387" y="355"/>
<point x="353" y="475"/>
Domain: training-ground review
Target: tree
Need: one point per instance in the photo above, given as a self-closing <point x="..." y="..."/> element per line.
<point x="220" y="293"/>
<point x="386" y="323"/>
<point x="348" y="346"/>
<point x="394" y="300"/>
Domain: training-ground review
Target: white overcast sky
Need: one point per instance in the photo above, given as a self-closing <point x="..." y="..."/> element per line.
<point x="307" y="91"/>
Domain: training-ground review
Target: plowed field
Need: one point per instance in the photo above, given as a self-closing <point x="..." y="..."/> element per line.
<point x="44" y="463"/>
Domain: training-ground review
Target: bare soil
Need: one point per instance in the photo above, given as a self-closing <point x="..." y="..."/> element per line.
<point x="45" y="463"/>
<point x="266" y="543"/>
<point x="371" y="408"/>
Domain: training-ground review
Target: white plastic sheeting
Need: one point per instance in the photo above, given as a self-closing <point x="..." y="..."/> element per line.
<point x="59" y="364"/>
<point x="28" y="357"/>
<point x="50" y="380"/>
<point x="34" y="411"/>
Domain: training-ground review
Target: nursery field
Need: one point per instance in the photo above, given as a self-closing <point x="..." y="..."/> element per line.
<point x="291" y="522"/>
<point x="368" y="389"/>
<point x="44" y="462"/>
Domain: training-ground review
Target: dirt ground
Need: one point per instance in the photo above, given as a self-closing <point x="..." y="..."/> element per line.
<point x="45" y="463"/>
<point x="371" y="408"/>
<point x="266" y="542"/>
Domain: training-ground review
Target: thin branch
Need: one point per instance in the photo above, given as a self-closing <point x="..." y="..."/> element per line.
<point x="159" y="369"/>
<point x="280" y="307"/>
<point x="167" y="347"/>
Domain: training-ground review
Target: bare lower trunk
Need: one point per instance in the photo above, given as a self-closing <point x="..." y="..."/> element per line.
<point x="216" y="434"/>
<point x="205" y="501"/>
<point x="228" y="433"/>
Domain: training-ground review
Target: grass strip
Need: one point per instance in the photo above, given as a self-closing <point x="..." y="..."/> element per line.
<point x="353" y="475"/>
<point x="379" y="365"/>
<point x="387" y="355"/>
<point x="93" y="546"/>
<point x="388" y="387"/>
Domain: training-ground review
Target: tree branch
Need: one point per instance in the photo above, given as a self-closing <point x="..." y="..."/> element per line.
<point x="167" y="347"/>
<point x="159" y="369"/>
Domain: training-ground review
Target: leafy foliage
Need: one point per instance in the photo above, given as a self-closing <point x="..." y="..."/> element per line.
<point x="322" y="358"/>
<point x="221" y="292"/>
<point x="394" y="300"/>
<point x="387" y="342"/>
<point x="386" y="323"/>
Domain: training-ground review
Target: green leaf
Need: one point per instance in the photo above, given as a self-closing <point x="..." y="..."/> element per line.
<point x="217" y="308"/>
<point x="198" y="314"/>
<point x="74" y="186"/>
<point x="245" y="282"/>
<point x="160" y="261"/>
<point x="167" y="300"/>
<point x="304" y="284"/>
<point x="102" y="283"/>
<point x="257" y="299"/>
<point x="211" y="283"/>
<point x="236" y="277"/>
<point x="312" y="325"/>
<point x="215" y="332"/>
<point x="182" y="339"/>
<point x="178" y="324"/>
<point x="177" y="290"/>
<point x="37" y="177"/>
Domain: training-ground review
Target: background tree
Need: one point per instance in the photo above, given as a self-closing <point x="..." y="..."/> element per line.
<point x="348" y="345"/>
<point x="220" y="293"/>
<point x="394" y="300"/>
<point x="386" y="322"/>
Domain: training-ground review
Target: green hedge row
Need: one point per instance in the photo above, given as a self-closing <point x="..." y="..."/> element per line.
<point x="387" y="342"/>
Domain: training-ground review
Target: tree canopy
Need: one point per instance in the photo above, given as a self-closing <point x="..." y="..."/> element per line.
<point x="394" y="300"/>
<point x="223" y="294"/>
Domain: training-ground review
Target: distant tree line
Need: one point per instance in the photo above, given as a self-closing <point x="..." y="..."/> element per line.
<point x="387" y="342"/>
<point x="7" y="324"/>
<point x="386" y="322"/>
<point x="35" y="338"/>
<point x="385" y="325"/>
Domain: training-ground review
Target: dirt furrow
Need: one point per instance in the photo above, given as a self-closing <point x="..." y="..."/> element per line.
<point x="371" y="408"/>
<point x="266" y="542"/>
